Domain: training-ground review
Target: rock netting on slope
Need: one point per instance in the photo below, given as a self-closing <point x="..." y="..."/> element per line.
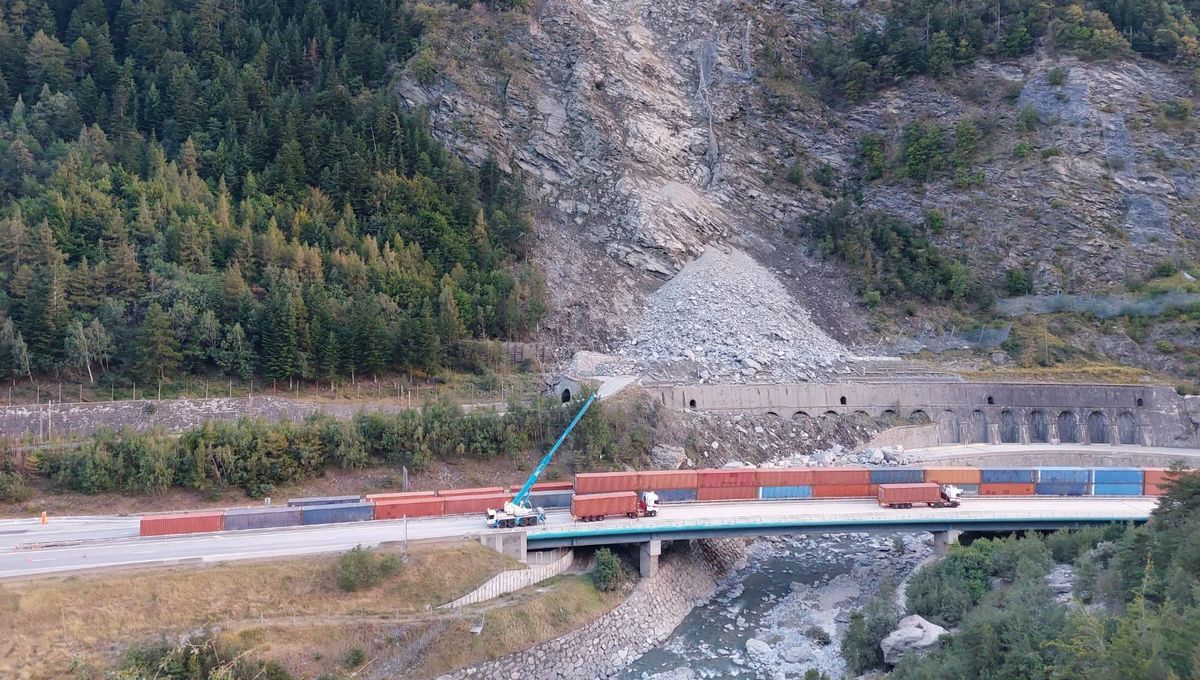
<point x="724" y="318"/>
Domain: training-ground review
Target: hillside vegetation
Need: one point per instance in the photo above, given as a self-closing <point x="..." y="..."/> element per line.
<point x="231" y="187"/>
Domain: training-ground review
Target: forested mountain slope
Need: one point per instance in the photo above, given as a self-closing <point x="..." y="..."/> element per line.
<point x="231" y="186"/>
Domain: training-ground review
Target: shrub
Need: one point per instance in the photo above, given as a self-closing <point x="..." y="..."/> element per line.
<point x="1177" y="109"/>
<point x="1021" y="150"/>
<point x="795" y="173"/>
<point x="1016" y="282"/>
<point x="824" y="175"/>
<point x="868" y="627"/>
<point x="610" y="573"/>
<point x="872" y="298"/>
<point x="356" y="657"/>
<point x="1057" y="76"/>
<point x="818" y="635"/>
<point x="1164" y="346"/>
<point x="361" y="568"/>
<point x="1027" y="119"/>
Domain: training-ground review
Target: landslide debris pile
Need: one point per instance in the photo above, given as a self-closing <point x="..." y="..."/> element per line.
<point x="725" y="318"/>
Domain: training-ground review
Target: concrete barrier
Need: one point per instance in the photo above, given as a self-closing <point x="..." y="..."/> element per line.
<point x="512" y="581"/>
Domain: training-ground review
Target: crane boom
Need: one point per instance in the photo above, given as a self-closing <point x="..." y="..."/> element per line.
<point x="523" y="495"/>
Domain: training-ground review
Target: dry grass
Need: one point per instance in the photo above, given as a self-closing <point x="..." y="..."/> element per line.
<point x="49" y="623"/>
<point x="1070" y="372"/>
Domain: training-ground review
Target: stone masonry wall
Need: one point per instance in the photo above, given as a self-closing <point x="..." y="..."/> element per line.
<point x="602" y="648"/>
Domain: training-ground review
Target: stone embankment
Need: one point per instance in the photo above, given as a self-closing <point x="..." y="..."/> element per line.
<point x="601" y="649"/>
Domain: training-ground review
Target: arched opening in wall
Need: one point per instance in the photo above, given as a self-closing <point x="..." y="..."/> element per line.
<point x="801" y="416"/>
<point x="861" y="414"/>
<point x="566" y="396"/>
<point x="1068" y="427"/>
<point x="991" y="400"/>
<point x="1139" y="401"/>
<point x="1039" y="429"/>
<point x="691" y="403"/>
<point x="1010" y="428"/>
<point x="1127" y="427"/>
<point x="842" y="401"/>
<point x="948" y="427"/>
<point x="772" y="414"/>
<point x="1097" y="424"/>
<point x="890" y="415"/>
<point x="918" y="417"/>
<point x="831" y="414"/>
<point x="979" y="428"/>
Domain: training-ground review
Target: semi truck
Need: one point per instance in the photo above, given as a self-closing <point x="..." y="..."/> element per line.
<point x="596" y="506"/>
<point x="928" y="493"/>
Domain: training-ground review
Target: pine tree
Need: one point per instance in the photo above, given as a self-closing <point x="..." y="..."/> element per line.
<point x="278" y="337"/>
<point x="160" y="354"/>
<point x="450" y="323"/>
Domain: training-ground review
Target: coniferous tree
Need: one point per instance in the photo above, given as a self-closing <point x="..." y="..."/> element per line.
<point x="160" y="353"/>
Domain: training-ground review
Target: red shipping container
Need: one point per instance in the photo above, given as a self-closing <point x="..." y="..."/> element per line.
<point x="600" y="505"/>
<point x="461" y="505"/>
<point x="549" y="486"/>
<point x="605" y="482"/>
<point x="478" y="491"/>
<point x="826" y="476"/>
<point x="929" y="492"/>
<point x="667" y="479"/>
<point x="727" y="493"/>
<point x="785" y="477"/>
<point x="1006" y="489"/>
<point x="376" y="497"/>
<point x="953" y="475"/>
<point x="843" y="490"/>
<point x="1154" y="481"/>
<point x="428" y="506"/>
<point x="739" y="477"/>
<point x="186" y="523"/>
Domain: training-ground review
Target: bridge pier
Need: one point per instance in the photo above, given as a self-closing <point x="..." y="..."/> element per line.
<point x="942" y="540"/>
<point x="993" y="433"/>
<point x="648" y="558"/>
<point x="511" y="543"/>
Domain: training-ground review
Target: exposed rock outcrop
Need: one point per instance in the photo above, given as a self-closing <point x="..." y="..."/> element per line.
<point x="914" y="634"/>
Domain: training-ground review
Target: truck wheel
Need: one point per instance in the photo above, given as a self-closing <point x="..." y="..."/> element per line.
<point x="652" y="513"/>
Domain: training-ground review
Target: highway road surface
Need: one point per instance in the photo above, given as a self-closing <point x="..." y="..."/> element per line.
<point x="28" y="548"/>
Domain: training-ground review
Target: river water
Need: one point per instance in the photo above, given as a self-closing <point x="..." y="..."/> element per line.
<point x="760" y="622"/>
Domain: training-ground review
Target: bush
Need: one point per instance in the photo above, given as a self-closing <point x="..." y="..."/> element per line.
<point x="1021" y="150"/>
<point x="872" y="298"/>
<point x="818" y="635"/>
<point x="1164" y="346"/>
<point x="361" y="568"/>
<point x="1057" y="76"/>
<point x="356" y="657"/>
<point x="1028" y="119"/>
<point x="868" y="627"/>
<point x="1016" y="282"/>
<point x="795" y="173"/>
<point x="610" y="573"/>
<point x="1177" y="109"/>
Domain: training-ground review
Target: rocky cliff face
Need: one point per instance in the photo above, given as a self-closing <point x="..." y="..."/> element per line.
<point x="650" y="129"/>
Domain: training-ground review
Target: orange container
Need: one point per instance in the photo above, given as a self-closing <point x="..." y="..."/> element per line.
<point x="1154" y="481"/>
<point x="185" y="523"/>
<point x="785" y="477"/>
<point x="460" y="505"/>
<point x="605" y="482"/>
<point x="1006" y="489"/>
<point x="478" y="491"/>
<point x="844" y="490"/>
<point x="825" y="476"/>
<point x="727" y="493"/>
<point x="667" y="479"/>
<point x="376" y="497"/>
<point x="600" y="505"/>
<point x="549" y="486"/>
<point x="927" y="492"/>
<point x="952" y="475"/>
<point x="733" y="477"/>
<point x="427" y="506"/>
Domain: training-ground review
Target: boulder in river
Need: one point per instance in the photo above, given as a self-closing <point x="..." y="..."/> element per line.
<point x="914" y="634"/>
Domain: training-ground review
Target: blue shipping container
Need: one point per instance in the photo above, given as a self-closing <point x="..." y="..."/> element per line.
<point x="1064" y="475"/>
<point x="897" y="476"/>
<point x="968" y="489"/>
<point x="1116" y="476"/>
<point x="1062" y="489"/>
<point x="1117" y="490"/>
<point x="342" y="512"/>
<point x="676" y="495"/>
<point x="237" y="519"/>
<point x="1006" y="476"/>
<point x="551" y="499"/>
<point x="780" y="492"/>
<point x="321" y="500"/>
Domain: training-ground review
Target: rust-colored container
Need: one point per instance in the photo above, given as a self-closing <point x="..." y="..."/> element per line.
<point x="461" y="505"/>
<point x="185" y="523"/>
<point x="591" y="507"/>
<point x="478" y="491"/>
<point x="891" y="494"/>
<point x="396" y="508"/>
<point x="826" y="476"/>
<point x="1007" y="489"/>
<point x="377" y="497"/>
<point x="605" y="482"/>
<point x="1154" y="481"/>
<point x="732" y="477"/>
<point x="549" y="486"/>
<point x="952" y="475"/>
<point x="843" y="490"/>
<point x="785" y="477"/>
<point x="658" y="480"/>
<point x="727" y="493"/>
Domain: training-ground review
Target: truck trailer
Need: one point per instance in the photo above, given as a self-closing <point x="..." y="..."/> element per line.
<point x="595" y="507"/>
<point x="928" y="493"/>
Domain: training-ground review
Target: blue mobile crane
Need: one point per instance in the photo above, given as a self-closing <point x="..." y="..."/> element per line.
<point x="518" y="512"/>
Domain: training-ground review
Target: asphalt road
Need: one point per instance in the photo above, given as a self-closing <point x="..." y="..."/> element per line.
<point x="28" y="548"/>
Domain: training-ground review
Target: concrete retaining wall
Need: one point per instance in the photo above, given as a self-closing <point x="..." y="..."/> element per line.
<point x="514" y="580"/>
<point x="1092" y="456"/>
<point x="908" y="436"/>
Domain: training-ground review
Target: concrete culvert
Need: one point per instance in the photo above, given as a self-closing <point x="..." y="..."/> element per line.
<point x="1010" y="428"/>
<point x="566" y="396"/>
<point x="1068" y="427"/>
<point x="1097" y="424"/>
<point x="1127" y="427"/>
<point x="1039" y="429"/>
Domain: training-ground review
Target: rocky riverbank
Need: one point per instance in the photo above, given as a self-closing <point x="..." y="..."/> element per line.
<point x="687" y="576"/>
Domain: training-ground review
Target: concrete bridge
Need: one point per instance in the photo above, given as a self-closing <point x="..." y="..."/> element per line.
<point x="972" y="412"/>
